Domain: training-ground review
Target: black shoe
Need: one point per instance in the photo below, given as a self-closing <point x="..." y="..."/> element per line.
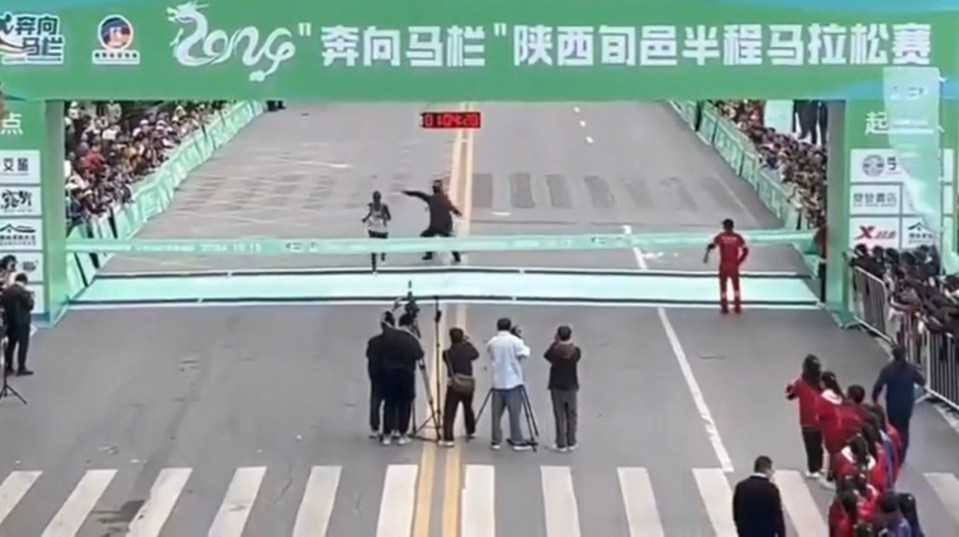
<point x="428" y="257"/>
<point x="457" y="259"/>
<point x="24" y="372"/>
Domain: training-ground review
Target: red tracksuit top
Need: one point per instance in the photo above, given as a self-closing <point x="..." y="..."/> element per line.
<point x="845" y="465"/>
<point x="841" y="526"/>
<point x="730" y="245"/>
<point x="829" y="413"/>
<point x="808" y="397"/>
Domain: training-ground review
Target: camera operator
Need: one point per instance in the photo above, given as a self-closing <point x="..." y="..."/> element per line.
<point x="507" y="351"/>
<point x="460" y="386"/>
<point x="8" y="270"/>
<point x="563" y="356"/>
<point x="375" y="358"/>
<point x="17" y="303"/>
<point x="441" y="221"/>
<point x="402" y="352"/>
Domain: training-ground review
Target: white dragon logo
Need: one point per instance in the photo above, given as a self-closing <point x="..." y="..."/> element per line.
<point x="218" y="47"/>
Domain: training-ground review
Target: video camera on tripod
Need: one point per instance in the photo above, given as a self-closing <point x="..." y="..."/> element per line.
<point x="411" y="308"/>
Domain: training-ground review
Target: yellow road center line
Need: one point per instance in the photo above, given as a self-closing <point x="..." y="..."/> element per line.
<point x="424" y="486"/>
<point x="453" y="489"/>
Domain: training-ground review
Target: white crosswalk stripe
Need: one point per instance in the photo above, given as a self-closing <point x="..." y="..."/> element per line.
<point x="478" y="517"/>
<point x="316" y="508"/>
<point x="149" y="520"/>
<point x="70" y="517"/>
<point x="235" y="509"/>
<point x="559" y="498"/>
<point x="799" y="504"/>
<point x="947" y="488"/>
<point x="12" y="490"/>
<point x="717" y="496"/>
<point x="398" y="501"/>
<point x="640" y="510"/>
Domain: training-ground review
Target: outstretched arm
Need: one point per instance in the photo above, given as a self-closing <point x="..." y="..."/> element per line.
<point x="709" y="249"/>
<point x="417" y="194"/>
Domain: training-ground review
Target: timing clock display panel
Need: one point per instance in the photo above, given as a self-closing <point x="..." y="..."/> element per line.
<point x="451" y="120"/>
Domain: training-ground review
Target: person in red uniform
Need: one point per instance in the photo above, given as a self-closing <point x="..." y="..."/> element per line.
<point x="807" y="389"/>
<point x="732" y="252"/>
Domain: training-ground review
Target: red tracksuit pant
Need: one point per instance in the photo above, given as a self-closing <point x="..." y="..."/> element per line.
<point x="729" y="275"/>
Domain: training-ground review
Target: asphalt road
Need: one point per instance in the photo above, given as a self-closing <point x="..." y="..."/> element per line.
<point x="254" y="401"/>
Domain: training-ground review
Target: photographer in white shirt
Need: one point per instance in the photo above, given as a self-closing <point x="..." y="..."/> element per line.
<point x="507" y="352"/>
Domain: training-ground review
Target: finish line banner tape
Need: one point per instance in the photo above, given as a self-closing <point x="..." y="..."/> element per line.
<point x="506" y="243"/>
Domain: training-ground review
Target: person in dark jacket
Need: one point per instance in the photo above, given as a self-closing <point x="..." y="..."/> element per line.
<point x="808" y="389"/>
<point x="892" y="520"/>
<point x="460" y="386"/>
<point x="402" y="351"/>
<point x="757" y="505"/>
<point x="907" y="506"/>
<point x="563" y="356"/>
<point x="17" y="303"/>
<point x="899" y="379"/>
<point x="441" y="210"/>
<point x="375" y="358"/>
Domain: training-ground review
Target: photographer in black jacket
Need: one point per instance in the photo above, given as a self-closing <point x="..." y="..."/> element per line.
<point x="375" y="357"/>
<point x="441" y="210"/>
<point x="402" y="351"/>
<point x="460" y="386"/>
<point x="17" y="303"/>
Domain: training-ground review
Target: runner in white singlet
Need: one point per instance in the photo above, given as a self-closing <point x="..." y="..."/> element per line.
<point x="377" y="221"/>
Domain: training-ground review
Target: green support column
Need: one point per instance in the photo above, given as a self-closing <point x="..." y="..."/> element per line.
<point x="32" y="215"/>
<point x="837" y="213"/>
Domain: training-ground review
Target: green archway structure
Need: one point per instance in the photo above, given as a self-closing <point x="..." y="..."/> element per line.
<point x="491" y="50"/>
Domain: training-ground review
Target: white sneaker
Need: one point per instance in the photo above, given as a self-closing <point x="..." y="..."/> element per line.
<point x="494" y="447"/>
<point x="403" y="440"/>
<point x="559" y="449"/>
<point x="813" y="475"/>
<point x="447" y="443"/>
<point x="522" y="447"/>
<point x="572" y="447"/>
<point x="386" y="440"/>
<point x="826" y="484"/>
<point x="374" y="433"/>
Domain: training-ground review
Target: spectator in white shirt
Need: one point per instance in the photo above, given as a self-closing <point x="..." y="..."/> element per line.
<point x="507" y="351"/>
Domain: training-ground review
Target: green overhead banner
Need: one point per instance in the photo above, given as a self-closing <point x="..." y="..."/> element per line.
<point x="440" y="50"/>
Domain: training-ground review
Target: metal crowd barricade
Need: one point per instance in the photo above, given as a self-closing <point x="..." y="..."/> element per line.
<point x="935" y="354"/>
<point x="941" y="368"/>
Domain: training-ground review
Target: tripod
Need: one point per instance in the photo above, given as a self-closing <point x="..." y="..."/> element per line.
<point x="434" y="418"/>
<point x="527" y="414"/>
<point x="6" y="390"/>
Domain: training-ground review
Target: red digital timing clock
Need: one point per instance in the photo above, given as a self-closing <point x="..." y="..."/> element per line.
<point x="450" y="120"/>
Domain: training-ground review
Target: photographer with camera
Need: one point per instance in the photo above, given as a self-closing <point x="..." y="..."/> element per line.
<point x="401" y="352"/>
<point x="375" y="359"/>
<point x="460" y="386"/>
<point x="563" y="356"/>
<point x="507" y="351"/>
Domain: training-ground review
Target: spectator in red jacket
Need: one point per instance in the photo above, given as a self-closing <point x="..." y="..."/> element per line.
<point x="829" y="413"/>
<point x="885" y="451"/>
<point x="843" y="517"/>
<point x="891" y="431"/>
<point x="856" y="458"/>
<point x="807" y="389"/>
<point x="878" y="451"/>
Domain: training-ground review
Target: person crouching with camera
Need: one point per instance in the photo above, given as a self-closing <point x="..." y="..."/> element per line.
<point x="402" y="350"/>
<point x="563" y="356"/>
<point x="460" y="385"/>
<point x="507" y="351"/>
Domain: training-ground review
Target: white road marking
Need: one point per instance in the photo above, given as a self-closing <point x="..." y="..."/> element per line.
<point x="478" y="505"/>
<point x="397" y="504"/>
<point x="640" y="502"/>
<point x="559" y="499"/>
<point x="582" y="123"/>
<point x="153" y="514"/>
<point x="313" y="518"/>
<point x="12" y="490"/>
<point x="501" y="213"/>
<point x="711" y="430"/>
<point x="576" y="109"/>
<point x="800" y="505"/>
<point x="718" y="498"/>
<point x="946" y="487"/>
<point x="589" y="139"/>
<point x="74" y="511"/>
<point x="238" y="502"/>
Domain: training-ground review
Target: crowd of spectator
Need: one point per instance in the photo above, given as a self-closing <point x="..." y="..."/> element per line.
<point x="798" y="160"/>
<point x="112" y="145"/>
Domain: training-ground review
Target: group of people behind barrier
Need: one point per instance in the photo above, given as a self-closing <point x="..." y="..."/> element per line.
<point x="800" y="164"/>
<point x="112" y="145"/>
<point x="901" y="297"/>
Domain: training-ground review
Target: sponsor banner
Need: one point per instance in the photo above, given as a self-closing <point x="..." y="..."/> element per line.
<point x="885" y="166"/>
<point x="875" y="200"/>
<point x="915" y="233"/>
<point x="39" y="298"/>
<point x="30" y="263"/>
<point x="21" y="234"/>
<point x="872" y="231"/>
<point x="20" y="167"/>
<point x="20" y="201"/>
